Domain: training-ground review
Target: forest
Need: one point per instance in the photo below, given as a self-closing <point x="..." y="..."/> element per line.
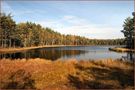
<point x="28" y="34"/>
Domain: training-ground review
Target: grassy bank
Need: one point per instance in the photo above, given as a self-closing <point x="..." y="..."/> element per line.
<point x="69" y="74"/>
<point x="117" y="49"/>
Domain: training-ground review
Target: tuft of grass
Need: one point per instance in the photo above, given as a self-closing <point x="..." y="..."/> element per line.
<point x="68" y="74"/>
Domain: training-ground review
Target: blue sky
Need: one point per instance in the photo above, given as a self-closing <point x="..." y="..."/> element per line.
<point x="92" y="19"/>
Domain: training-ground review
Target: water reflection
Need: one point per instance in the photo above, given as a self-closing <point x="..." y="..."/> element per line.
<point x="51" y="54"/>
<point x="130" y="56"/>
<point x="64" y="53"/>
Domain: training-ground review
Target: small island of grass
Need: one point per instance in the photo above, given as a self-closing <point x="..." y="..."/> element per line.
<point x="122" y="49"/>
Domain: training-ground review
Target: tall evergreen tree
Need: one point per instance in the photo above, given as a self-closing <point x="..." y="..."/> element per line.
<point x="7" y="29"/>
<point x="128" y="31"/>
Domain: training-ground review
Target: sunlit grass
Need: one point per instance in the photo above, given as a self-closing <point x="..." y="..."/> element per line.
<point x="118" y="49"/>
<point x="68" y="74"/>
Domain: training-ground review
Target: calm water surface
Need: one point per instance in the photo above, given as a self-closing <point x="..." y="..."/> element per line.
<point x="71" y="52"/>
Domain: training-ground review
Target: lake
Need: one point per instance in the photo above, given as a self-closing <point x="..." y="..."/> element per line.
<point x="71" y="52"/>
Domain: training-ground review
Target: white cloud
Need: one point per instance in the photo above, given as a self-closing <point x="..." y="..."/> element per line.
<point x="5" y="7"/>
<point x="70" y="24"/>
<point x="74" y="20"/>
<point x="79" y="26"/>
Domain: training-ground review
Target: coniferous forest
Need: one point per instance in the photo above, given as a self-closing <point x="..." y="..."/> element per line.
<point x="29" y="34"/>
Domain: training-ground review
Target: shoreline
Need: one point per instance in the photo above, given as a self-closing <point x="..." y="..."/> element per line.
<point x="5" y="50"/>
<point x="119" y="49"/>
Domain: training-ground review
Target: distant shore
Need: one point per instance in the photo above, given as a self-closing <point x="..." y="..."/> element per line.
<point x="4" y="50"/>
<point x="26" y="48"/>
<point x="120" y="49"/>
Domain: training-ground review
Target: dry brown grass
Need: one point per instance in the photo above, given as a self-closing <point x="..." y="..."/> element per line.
<point x="118" y="49"/>
<point x="68" y="74"/>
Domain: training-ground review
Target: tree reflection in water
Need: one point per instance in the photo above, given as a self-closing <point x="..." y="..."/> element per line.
<point x="50" y="54"/>
<point x="130" y="56"/>
<point x="81" y="53"/>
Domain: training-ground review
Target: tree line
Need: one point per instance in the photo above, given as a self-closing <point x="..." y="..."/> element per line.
<point x="129" y="32"/>
<point x="29" y="34"/>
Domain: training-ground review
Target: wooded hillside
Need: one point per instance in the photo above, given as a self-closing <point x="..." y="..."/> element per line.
<point x="30" y="34"/>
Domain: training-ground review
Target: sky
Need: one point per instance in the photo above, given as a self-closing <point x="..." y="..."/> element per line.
<point x="92" y="19"/>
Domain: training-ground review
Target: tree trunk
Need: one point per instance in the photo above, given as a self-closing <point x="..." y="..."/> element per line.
<point x="2" y="39"/>
<point x="5" y="40"/>
<point x="10" y="42"/>
<point x="14" y="44"/>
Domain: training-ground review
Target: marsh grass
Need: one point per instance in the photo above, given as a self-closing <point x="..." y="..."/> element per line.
<point x="68" y="74"/>
<point x="118" y="49"/>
